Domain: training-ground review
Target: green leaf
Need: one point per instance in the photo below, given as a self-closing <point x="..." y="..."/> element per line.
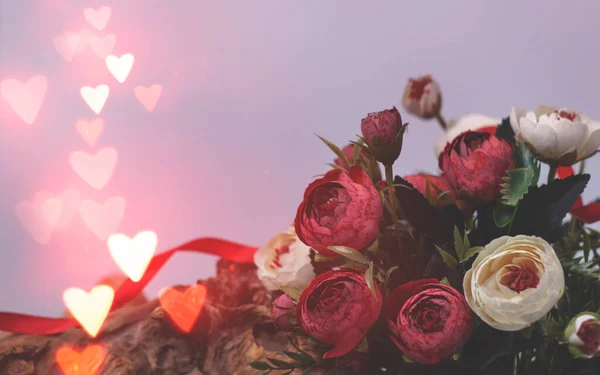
<point x="466" y="243"/>
<point x="587" y="245"/>
<point x="388" y="273"/>
<point x="472" y="252"/>
<point x="516" y="185"/>
<point x="336" y="150"/>
<point x="525" y="159"/>
<point x="456" y="356"/>
<point x="445" y="281"/>
<point x="302" y="358"/>
<point x="370" y="282"/>
<point x="280" y="364"/>
<point x="503" y="215"/>
<point x="459" y="245"/>
<point x="324" y="258"/>
<point x="448" y="259"/>
<point x="294" y="293"/>
<point x="260" y="365"/>
<point x="350" y="254"/>
<point x="363" y="346"/>
<point x="406" y="359"/>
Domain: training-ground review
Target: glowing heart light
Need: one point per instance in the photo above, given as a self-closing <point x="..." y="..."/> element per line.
<point x="102" y="219"/>
<point x="89" y="309"/>
<point x="67" y="45"/>
<point x="97" y="169"/>
<point x="90" y="130"/>
<point x="86" y="362"/>
<point x="148" y="96"/>
<point x="97" y="18"/>
<point x="119" y="67"/>
<point x="69" y="202"/>
<point x="25" y="98"/>
<point x="39" y="217"/>
<point x="184" y="308"/>
<point x="133" y="255"/>
<point x="103" y="46"/>
<point x="95" y="97"/>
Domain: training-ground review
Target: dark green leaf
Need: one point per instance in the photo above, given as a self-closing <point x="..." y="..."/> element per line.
<point x="587" y="246"/>
<point x="445" y="281"/>
<point x="260" y="365"/>
<point x="388" y="273"/>
<point x="369" y="280"/>
<point x="516" y="185"/>
<point x="280" y="364"/>
<point x="543" y="209"/>
<point x="458" y="244"/>
<point x="302" y="358"/>
<point x="525" y="159"/>
<point x="336" y="150"/>
<point x="503" y="215"/>
<point x="505" y="131"/>
<point x="448" y="259"/>
<point x="350" y="254"/>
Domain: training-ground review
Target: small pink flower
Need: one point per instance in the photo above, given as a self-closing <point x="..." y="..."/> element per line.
<point x="422" y="97"/>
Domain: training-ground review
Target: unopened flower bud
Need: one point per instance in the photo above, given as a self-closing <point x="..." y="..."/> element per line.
<point x="383" y="131"/>
<point x="422" y="97"/>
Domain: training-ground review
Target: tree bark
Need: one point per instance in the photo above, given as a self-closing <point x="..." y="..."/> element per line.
<point x="232" y="331"/>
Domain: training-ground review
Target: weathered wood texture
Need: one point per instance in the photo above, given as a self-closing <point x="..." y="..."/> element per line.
<point x="140" y="339"/>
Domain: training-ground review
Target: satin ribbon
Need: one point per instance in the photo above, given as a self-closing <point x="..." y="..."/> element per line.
<point x="37" y="325"/>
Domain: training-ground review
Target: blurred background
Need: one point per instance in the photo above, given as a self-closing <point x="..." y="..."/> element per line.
<point x="230" y="147"/>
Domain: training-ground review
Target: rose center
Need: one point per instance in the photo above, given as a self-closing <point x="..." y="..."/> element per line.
<point x="565" y="114"/>
<point x="418" y="87"/>
<point x="471" y="142"/>
<point x="276" y="262"/>
<point x="430" y="316"/>
<point x="589" y="333"/>
<point x="518" y="278"/>
<point x="331" y="202"/>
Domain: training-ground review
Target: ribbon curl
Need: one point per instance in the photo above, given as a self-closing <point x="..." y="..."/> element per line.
<point x="37" y="325"/>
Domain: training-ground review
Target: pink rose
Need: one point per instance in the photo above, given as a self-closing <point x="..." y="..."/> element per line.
<point x="474" y="164"/>
<point x="429" y="321"/>
<point x="340" y="209"/>
<point x="338" y="308"/>
<point x="422" y="97"/>
<point x="282" y="306"/>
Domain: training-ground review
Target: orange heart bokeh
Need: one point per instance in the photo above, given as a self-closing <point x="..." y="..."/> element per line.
<point x="86" y="362"/>
<point x="184" y="308"/>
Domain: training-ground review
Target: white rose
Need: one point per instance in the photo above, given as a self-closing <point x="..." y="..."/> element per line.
<point x="514" y="282"/>
<point x="284" y="261"/>
<point x="462" y="124"/>
<point x="558" y="137"/>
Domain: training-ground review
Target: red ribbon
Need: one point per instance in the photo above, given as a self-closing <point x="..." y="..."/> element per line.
<point x="37" y="325"/>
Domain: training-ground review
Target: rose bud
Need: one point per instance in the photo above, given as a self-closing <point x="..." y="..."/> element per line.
<point x="284" y="261"/>
<point x="514" y="282"/>
<point x="473" y="122"/>
<point x="583" y="335"/>
<point x="383" y="131"/>
<point x="422" y="97"/>
<point x="282" y="306"/>
<point x="429" y="321"/>
<point x="474" y="164"/>
<point x="339" y="209"/>
<point x="338" y="308"/>
<point x="557" y="136"/>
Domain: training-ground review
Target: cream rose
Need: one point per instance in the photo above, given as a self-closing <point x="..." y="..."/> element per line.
<point x="284" y="261"/>
<point x="583" y="335"/>
<point x="557" y="136"/>
<point x="462" y="124"/>
<point x="514" y="282"/>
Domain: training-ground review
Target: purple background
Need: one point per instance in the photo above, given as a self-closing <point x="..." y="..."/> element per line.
<point x="230" y="147"/>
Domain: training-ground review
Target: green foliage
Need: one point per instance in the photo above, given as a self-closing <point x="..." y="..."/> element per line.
<point x="350" y="253"/>
<point x="516" y="185"/>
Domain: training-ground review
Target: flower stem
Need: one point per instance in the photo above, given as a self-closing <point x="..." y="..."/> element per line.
<point x="582" y="166"/>
<point x="441" y="121"/>
<point x="389" y="179"/>
<point x="551" y="174"/>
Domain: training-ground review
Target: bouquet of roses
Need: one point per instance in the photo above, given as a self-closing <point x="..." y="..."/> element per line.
<point x="475" y="270"/>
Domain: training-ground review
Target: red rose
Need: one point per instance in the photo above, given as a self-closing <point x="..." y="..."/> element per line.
<point x="383" y="133"/>
<point x="474" y="164"/>
<point x="429" y="321"/>
<point x="282" y="306"/>
<point x="340" y="209"/>
<point x="338" y="308"/>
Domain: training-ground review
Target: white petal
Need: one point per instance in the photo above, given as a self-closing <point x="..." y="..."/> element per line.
<point x="541" y="137"/>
